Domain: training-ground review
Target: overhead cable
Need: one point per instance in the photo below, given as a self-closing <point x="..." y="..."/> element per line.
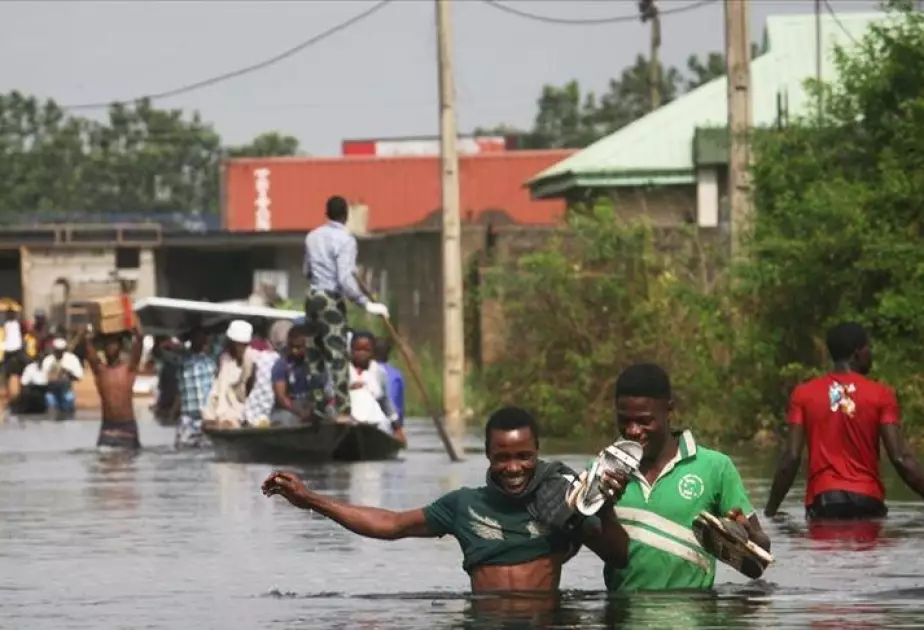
<point x="233" y="74"/>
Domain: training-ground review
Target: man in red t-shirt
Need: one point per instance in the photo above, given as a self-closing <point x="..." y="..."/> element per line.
<point x="843" y="415"/>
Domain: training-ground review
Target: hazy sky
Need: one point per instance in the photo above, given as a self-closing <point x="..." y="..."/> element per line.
<point x="375" y="79"/>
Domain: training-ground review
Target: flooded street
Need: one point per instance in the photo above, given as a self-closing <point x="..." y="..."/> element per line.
<point x="177" y="540"/>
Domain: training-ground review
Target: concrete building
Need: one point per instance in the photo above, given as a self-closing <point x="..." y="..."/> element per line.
<point x="671" y="165"/>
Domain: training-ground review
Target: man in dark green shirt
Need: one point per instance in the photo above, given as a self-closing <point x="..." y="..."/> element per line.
<point x="507" y="541"/>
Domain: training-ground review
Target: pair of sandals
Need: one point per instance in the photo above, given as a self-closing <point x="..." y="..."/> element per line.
<point x="722" y="538"/>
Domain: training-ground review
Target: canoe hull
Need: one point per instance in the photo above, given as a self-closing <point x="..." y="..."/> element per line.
<point x="303" y="444"/>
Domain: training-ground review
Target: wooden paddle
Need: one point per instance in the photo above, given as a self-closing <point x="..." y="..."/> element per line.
<point x="414" y="369"/>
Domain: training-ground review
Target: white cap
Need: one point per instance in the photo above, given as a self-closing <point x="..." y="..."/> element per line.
<point x="240" y="331"/>
<point x="59" y="344"/>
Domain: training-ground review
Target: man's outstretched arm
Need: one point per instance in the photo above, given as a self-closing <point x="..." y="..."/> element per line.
<point x="370" y="522"/>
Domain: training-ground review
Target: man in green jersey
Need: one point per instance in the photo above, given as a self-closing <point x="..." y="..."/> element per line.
<point x="510" y="530"/>
<point x="676" y="481"/>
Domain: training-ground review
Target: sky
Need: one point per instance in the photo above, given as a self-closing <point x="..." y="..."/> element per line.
<point x="377" y="78"/>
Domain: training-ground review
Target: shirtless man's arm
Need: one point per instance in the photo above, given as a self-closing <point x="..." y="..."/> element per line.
<point x="92" y="356"/>
<point x="370" y="522"/>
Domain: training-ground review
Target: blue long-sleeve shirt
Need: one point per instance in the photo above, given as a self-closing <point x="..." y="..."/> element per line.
<point x="395" y="382"/>
<point x="330" y="261"/>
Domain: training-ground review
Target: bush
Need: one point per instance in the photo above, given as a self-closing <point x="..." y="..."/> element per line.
<point x="600" y="297"/>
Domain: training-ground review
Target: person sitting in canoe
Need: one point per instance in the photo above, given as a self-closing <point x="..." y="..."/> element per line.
<point x="394" y="376"/>
<point x="369" y="399"/>
<point x="262" y="399"/>
<point x="61" y="368"/>
<point x="234" y="380"/>
<point x="511" y="530"/>
<point x="297" y="393"/>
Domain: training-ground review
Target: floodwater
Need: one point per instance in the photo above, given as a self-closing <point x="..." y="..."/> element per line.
<point x="178" y="540"/>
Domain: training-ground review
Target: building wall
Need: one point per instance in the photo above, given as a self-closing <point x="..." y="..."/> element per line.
<point x="399" y="193"/>
<point x="82" y="268"/>
<point x="664" y="206"/>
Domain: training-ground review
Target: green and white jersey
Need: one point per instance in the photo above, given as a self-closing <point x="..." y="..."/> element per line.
<point x="663" y="552"/>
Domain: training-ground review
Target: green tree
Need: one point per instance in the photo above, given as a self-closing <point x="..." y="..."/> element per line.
<point x="142" y="159"/>
<point x="627" y="99"/>
<point x="269" y="144"/>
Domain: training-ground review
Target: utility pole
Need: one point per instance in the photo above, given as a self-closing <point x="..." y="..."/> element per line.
<point x="453" y="322"/>
<point x="738" y="71"/>
<point x="818" y="57"/>
<point x="648" y="12"/>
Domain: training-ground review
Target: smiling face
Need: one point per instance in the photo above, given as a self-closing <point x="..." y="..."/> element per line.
<point x="646" y="421"/>
<point x="513" y="455"/>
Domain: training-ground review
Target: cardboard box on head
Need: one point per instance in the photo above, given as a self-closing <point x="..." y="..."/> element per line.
<point x="113" y="314"/>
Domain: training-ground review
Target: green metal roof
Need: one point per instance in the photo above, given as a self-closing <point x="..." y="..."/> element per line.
<point x="658" y="148"/>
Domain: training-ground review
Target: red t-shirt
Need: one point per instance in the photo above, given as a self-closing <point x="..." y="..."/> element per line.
<point x="841" y="414"/>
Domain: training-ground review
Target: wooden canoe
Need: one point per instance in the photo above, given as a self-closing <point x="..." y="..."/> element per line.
<point x="304" y="444"/>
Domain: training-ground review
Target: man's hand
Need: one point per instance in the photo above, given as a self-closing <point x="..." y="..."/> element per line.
<point x="375" y="308"/>
<point x="289" y="486"/>
<point x="613" y="484"/>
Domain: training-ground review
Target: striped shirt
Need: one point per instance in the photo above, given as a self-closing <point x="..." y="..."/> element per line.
<point x="330" y="261"/>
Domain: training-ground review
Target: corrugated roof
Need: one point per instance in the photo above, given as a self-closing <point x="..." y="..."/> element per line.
<point x="659" y="145"/>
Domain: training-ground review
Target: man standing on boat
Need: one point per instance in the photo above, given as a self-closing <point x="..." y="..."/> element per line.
<point x="843" y="416"/>
<point x="329" y="266"/>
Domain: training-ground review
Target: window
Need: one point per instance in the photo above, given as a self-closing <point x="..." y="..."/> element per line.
<point x="128" y="257"/>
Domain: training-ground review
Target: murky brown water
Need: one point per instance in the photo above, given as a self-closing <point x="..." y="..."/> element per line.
<point x="177" y="540"/>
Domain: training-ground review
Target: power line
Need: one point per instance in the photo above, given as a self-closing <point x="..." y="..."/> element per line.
<point x="617" y="19"/>
<point x="189" y="87"/>
<point x="837" y="21"/>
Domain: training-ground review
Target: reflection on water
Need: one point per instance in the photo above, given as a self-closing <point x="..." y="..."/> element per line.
<point x="176" y="540"/>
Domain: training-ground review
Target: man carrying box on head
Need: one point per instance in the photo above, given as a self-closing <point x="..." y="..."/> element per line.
<point x="115" y="379"/>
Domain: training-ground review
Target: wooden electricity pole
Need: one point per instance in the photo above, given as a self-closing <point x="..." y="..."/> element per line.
<point x="648" y="12"/>
<point x="818" y="58"/>
<point x="738" y="71"/>
<point x="453" y="322"/>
